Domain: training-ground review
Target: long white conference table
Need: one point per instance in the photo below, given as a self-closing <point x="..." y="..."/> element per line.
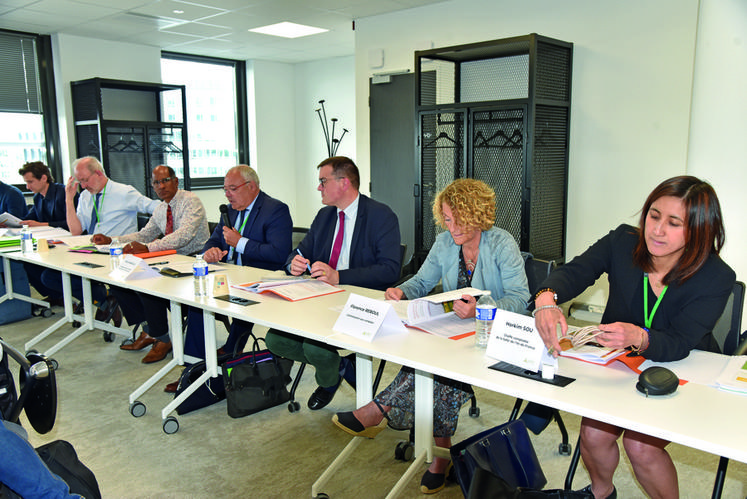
<point x="696" y="415"/>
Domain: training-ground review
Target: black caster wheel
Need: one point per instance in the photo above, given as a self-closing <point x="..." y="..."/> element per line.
<point x="76" y="324"/>
<point x="47" y="313"/>
<point x="564" y="449"/>
<point x="404" y="451"/>
<point x="170" y="425"/>
<point x="321" y="495"/>
<point x="474" y="412"/>
<point x="108" y="337"/>
<point x="294" y="406"/>
<point x="53" y="364"/>
<point x="137" y="409"/>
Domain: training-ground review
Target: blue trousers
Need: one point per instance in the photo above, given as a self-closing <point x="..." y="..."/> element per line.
<point x="23" y="471"/>
<point x="52" y="279"/>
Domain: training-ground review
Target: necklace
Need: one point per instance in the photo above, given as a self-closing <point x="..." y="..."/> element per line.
<point x="470" y="265"/>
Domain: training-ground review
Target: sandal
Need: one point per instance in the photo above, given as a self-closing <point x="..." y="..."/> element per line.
<point x="434" y="482"/>
<point x="350" y="424"/>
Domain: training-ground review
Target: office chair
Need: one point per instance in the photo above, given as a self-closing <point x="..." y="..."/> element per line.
<point x="726" y="332"/>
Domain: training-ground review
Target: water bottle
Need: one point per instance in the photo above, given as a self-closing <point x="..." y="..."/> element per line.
<point x="200" y="273"/>
<point x="27" y="243"/>
<point x="484" y="315"/>
<point x="115" y="254"/>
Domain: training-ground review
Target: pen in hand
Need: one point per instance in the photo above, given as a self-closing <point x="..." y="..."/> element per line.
<point x="308" y="267"/>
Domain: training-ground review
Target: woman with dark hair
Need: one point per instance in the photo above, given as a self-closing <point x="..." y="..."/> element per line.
<point x="667" y="289"/>
<point x="470" y="253"/>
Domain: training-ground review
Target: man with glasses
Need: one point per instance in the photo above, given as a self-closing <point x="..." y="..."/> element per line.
<point x="354" y="240"/>
<point x="104" y="206"/>
<point x="258" y="235"/>
<point x="177" y="223"/>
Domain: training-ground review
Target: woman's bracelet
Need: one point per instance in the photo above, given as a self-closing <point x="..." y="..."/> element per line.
<point x="546" y="307"/>
<point x="543" y="290"/>
<point x="645" y="339"/>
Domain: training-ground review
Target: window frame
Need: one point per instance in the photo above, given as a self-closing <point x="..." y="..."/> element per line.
<point x="242" y="120"/>
<point x="48" y="100"/>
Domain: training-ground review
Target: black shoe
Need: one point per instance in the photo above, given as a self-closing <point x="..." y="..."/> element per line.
<point x="587" y="489"/>
<point x="347" y="369"/>
<point x="322" y="396"/>
<point x="433" y="482"/>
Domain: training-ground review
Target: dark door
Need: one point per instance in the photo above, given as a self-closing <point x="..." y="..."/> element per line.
<point x="393" y="169"/>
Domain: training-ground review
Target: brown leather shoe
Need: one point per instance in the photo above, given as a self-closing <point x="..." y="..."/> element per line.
<point x="171" y="387"/>
<point x="143" y="341"/>
<point x="158" y="351"/>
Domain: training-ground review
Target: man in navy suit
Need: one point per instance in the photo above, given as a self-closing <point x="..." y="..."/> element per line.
<point x="48" y="210"/>
<point x="353" y="240"/>
<point x="259" y="236"/>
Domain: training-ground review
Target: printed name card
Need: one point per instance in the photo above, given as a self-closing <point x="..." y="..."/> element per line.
<point x="515" y="340"/>
<point x="132" y="267"/>
<point x="366" y="318"/>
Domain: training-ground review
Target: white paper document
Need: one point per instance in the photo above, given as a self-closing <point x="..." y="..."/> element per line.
<point x="132" y="267"/>
<point x="366" y="318"/>
<point x="10" y="220"/>
<point x="515" y="340"/>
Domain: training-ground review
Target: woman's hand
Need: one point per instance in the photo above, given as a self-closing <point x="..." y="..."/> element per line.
<point x="547" y="320"/>
<point x="465" y="307"/>
<point x="621" y="335"/>
<point x="395" y="294"/>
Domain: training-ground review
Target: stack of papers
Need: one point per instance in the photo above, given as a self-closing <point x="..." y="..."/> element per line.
<point x="10" y="220"/>
<point x="434" y="314"/>
<point x="291" y="289"/>
<point x="734" y="376"/>
<point x="579" y="344"/>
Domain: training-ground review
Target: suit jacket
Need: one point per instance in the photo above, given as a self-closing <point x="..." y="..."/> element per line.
<point x="687" y="312"/>
<point x="50" y="208"/>
<point x="375" y="258"/>
<point x="12" y="200"/>
<point x="269" y="229"/>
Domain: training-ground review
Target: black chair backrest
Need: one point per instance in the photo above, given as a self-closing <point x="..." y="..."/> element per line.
<point x="727" y="330"/>
<point x="537" y="271"/>
<point x="298" y="234"/>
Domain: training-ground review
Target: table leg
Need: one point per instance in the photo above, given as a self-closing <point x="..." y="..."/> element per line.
<point x="10" y="295"/>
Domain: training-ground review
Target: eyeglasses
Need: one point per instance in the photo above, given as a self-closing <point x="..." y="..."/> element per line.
<point x="156" y="183"/>
<point x="323" y="181"/>
<point x="234" y="188"/>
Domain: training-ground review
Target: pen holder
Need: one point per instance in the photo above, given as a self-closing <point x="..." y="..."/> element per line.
<point x="220" y="285"/>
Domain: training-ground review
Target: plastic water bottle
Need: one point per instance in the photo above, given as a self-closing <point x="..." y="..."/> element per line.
<point x="115" y="254"/>
<point x="200" y="273"/>
<point x="27" y="242"/>
<point x="484" y="315"/>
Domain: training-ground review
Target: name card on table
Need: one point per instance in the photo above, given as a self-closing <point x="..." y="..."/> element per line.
<point x="132" y="267"/>
<point x="366" y="318"/>
<point x="515" y="340"/>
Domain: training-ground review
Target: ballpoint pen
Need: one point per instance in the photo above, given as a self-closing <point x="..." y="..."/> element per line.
<point x="301" y="255"/>
<point x="157" y="263"/>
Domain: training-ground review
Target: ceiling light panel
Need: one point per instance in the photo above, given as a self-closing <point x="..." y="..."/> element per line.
<point x="288" y="30"/>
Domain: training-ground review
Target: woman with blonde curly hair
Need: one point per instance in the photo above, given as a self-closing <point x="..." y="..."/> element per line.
<point x="470" y="253"/>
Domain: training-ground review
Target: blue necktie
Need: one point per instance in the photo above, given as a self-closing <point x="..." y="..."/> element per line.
<point x="92" y="226"/>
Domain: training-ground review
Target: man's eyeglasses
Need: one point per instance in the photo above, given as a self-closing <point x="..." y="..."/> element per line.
<point x="323" y="181"/>
<point x="234" y="188"/>
<point x="156" y="183"/>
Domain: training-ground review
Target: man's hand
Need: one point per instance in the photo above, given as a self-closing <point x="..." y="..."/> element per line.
<point x="134" y="247"/>
<point x="299" y="265"/>
<point x="33" y="223"/>
<point x="231" y="236"/>
<point x="71" y="188"/>
<point x="101" y="239"/>
<point x="213" y="255"/>
<point x="324" y="272"/>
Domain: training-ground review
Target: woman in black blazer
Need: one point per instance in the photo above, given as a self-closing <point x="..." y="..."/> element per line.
<point x="667" y="289"/>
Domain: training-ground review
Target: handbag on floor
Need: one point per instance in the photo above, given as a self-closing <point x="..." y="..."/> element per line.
<point x="256" y="381"/>
<point x="209" y="393"/>
<point x="505" y="451"/>
<point x="485" y="485"/>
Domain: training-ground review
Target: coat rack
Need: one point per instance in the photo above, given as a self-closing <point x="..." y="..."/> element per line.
<point x="332" y="143"/>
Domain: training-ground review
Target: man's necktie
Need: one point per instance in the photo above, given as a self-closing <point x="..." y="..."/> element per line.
<point x="169" y="221"/>
<point x="338" y="242"/>
<point x="94" y="214"/>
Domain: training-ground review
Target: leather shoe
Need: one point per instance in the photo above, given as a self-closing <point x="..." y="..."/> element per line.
<point x="322" y="396"/>
<point x="612" y="495"/>
<point x="158" y="351"/>
<point x="172" y="387"/>
<point x="143" y="341"/>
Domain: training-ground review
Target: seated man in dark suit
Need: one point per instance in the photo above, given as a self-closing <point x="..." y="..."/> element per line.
<point x="259" y="236"/>
<point x="48" y="210"/>
<point x="354" y="240"/>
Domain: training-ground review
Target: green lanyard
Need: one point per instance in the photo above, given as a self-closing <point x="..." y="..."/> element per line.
<point x="243" y="222"/>
<point x="101" y="202"/>
<point x="648" y="319"/>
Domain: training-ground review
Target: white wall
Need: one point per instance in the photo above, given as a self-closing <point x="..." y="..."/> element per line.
<point x="636" y="118"/>
<point x="331" y="80"/>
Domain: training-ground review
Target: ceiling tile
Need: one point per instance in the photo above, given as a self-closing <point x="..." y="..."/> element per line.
<point x="166" y="8"/>
<point x="197" y="29"/>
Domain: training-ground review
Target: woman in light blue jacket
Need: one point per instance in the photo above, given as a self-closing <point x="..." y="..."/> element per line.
<point x="472" y="253"/>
